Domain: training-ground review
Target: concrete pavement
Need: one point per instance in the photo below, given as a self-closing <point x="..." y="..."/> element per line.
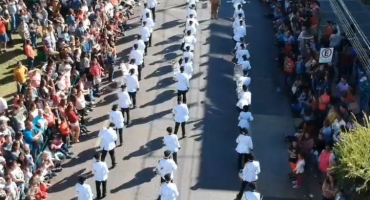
<point x="207" y="160"/>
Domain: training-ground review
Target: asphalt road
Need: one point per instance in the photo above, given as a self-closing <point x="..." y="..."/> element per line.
<point x="207" y="159"/>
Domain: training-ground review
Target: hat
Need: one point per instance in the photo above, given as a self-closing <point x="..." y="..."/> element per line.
<point x="167" y="153"/>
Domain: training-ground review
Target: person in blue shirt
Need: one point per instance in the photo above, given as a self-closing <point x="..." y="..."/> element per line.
<point x="33" y="137"/>
<point x="39" y="121"/>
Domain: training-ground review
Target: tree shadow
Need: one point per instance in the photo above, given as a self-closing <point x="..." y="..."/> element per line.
<point x="160" y="98"/>
<point x="144" y="120"/>
<point x="141" y="177"/>
<point x="68" y="181"/>
<point x="160" y="71"/>
<point x="150" y="146"/>
<point x="163" y="83"/>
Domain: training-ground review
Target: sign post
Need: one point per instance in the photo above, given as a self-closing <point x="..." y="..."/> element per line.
<point x="326" y="55"/>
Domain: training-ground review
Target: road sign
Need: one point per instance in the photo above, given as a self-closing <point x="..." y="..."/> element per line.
<point x="326" y="55"/>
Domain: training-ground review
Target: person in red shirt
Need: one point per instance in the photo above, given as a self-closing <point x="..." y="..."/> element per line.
<point x="97" y="72"/>
<point x="289" y="66"/>
<point x="30" y="53"/>
<point x="74" y="122"/>
<point x="3" y="36"/>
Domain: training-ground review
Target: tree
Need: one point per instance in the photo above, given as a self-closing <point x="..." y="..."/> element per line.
<point x="352" y="168"/>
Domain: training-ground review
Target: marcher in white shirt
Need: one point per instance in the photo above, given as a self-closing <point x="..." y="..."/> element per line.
<point x="245" y="98"/>
<point x="116" y="117"/>
<point x="236" y="3"/>
<point x="245" y="80"/>
<point x="182" y="85"/>
<point x="239" y="31"/>
<point x="244" y="147"/>
<point x="191" y="28"/>
<point x="140" y="44"/>
<point x="139" y="59"/>
<point x="238" y="46"/>
<point x="191" y="11"/>
<point x="145" y="35"/>
<point x="189" y="40"/>
<point x="83" y="190"/>
<point x="132" y="83"/>
<point x="195" y="21"/>
<point x="100" y="171"/>
<point x="165" y="166"/>
<point x="124" y="102"/>
<point x="241" y="52"/>
<point x="172" y="143"/>
<point x="237" y="20"/>
<point x="249" y="174"/>
<point x="132" y="65"/>
<point x="108" y="137"/>
<point x="188" y="67"/>
<point x="168" y="190"/>
<point x="181" y="116"/>
<point x="151" y="5"/>
<point x="252" y="194"/>
<point x="150" y="24"/>
<point x="187" y="54"/>
<point x="191" y="2"/>
<point x="245" y="117"/>
<point x="144" y="11"/>
<point x="246" y="65"/>
<point x="239" y="10"/>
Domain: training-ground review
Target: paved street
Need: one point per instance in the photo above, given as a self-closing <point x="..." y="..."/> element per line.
<point x="207" y="160"/>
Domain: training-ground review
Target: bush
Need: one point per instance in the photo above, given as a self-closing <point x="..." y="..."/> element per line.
<point x="352" y="168"/>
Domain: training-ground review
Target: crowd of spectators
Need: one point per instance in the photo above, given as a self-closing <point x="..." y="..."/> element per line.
<point x="322" y="94"/>
<point x="76" y="41"/>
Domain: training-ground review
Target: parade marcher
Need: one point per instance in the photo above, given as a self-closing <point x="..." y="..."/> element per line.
<point x="166" y="166"/>
<point x="239" y="12"/>
<point x="191" y="18"/>
<point x="189" y="40"/>
<point x="151" y="5"/>
<point x="215" y="6"/>
<point x="124" y="102"/>
<point x="181" y="116"/>
<point x="191" y="27"/>
<point x="140" y="44"/>
<point x="83" y="189"/>
<point x="191" y="11"/>
<point x="150" y="24"/>
<point x="172" y="143"/>
<point x="187" y="54"/>
<point x="190" y="2"/>
<point x="246" y="65"/>
<point x="249" y="174"/>
<point x="108" y="137"/>
<point x="237" y="19"/>
<point x="238" y="46"/>
<point x="139" y="58"/>
<point x="168" y="190"/>
<point x="188" y="67"/>
<point x="100" y="171"/>
<point x="239" y="32"/>
<point x="132" y="83"/>
<point x="182" y="85"/>
<point x="241" y="52"/>
<point x="252" y="194"/>
<point x="245" y="117"/>
<point x="116" y="117"/>
<point x="144" y="11"/>
<point x="244" y="147"/>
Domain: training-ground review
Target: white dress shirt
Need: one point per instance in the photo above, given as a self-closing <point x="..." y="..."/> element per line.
<point x="183" y="82"/>
<point x="145" y="33"/>
<point x="246" y="65"/>
<point x="190" y="2"/>
<point x="188" y="68"/>
<point x="133" y="66"/>
<point x="250" y="171"/>
<point x="244" y="119"/>
<point x="84" y="192"/>
<point x="107" y="136"/>
<point x="237" y="46"/>
<point x="237" y="2"/>
<point x="181" y="112"/>
<point x="239" y="32"/>
<point x="245" y="99"/>
<point x="237" y="12"/>
<point x="143" y="13"/>
<point x="116" y="118"/>
<point x="191" y="28"/>
<point x="140" y="45"/>
<point x="124" y="99"/>
<point x="245" y="80"/>
<point x="150" y="24"/>
<point x="166" y="166"/>
<point x="195" y="22"/>
<point x="244" y="144"/>
<point x="137" y="55"/>
<point x="191" y="11"/>
<point x="151" y="3"/>
<point x="171" y="142"/>
<point x="168" y="191"/>
<point x="190" y="40"/>
<point x="249" y="195"/>
<point x="236" y="23"/>
<point x="132" y="83"/>
<point x="188" y="54"/>
<point x="240" y="53"/>
<point x="100" y="171"/>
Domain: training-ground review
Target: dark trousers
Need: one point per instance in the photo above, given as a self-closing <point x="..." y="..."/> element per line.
<point x="127" y="111"/>
<point x="242" y="159"/>
<point x="146" y="46"/>
<point x="120" y="135"/>
<point x="181" y="95"/>
<point x="177" y="124"/>
<point x="133" y="97"/>
<point x="153" y="12"/>
<point x="150" y="40"/>
<point x="244" y="185"/>
<point x="111" y="154"/>
<point x="174" y="156"/>
<point x="139" y="68"/>
<point x="101" y="185"/>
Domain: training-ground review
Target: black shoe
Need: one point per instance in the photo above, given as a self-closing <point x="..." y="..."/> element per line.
<point x="183" y="136"/>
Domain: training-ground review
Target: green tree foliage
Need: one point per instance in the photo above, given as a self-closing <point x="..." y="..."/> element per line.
<point x="352" y="168"/>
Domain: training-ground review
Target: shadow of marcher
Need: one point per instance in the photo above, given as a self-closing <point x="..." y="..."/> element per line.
<point x="168" y="25"/>
<point x="87" y="154"/>
<point x="150" y="146"/>
<point x="150" y="118"/>
<point x="68" y="181"/>
<point x="143" y="176"/>
<point x="160" y="71"/>
<point x="160" y="98"/>
<point x="162" y="84"/>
